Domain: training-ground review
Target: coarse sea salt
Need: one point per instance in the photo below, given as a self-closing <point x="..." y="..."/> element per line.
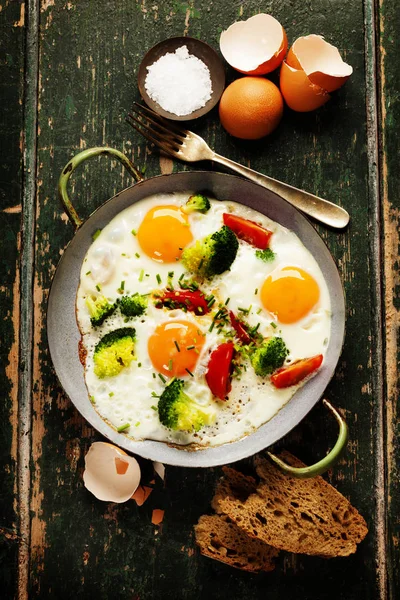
<point x="179" y="82"/>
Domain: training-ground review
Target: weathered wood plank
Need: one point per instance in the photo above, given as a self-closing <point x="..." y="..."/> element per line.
<point x="89" y="55"/>
<point x="11" y="93"/>
<point x="389" y="81"/>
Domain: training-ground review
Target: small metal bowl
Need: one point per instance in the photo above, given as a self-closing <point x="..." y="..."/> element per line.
<point x="199" y="49"/>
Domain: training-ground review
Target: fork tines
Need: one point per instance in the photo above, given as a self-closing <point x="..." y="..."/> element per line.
<point x="156" y="129"/>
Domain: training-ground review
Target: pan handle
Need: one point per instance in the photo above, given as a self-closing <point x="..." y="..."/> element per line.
<point x="75" y="162"/>
<point x="327" y="462"/>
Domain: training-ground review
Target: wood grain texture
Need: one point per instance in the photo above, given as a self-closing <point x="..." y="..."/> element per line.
<point x="11" y="94"/>
<point x="89" y="56"/>
<point x="389" y="85"/>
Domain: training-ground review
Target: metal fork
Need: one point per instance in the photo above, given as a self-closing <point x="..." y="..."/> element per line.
<point x="190" y="147"/>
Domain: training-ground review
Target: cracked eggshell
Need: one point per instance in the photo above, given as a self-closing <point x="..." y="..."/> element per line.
<point x="110" y="474"/>
<point x="256" y="46"/>
<point x="320" y="61"/>
<point x="299" y="92"/>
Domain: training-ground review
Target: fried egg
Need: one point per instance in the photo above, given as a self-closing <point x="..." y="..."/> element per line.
<point x="139" y="251"/>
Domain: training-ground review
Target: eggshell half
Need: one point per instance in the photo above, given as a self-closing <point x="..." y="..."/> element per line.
<point x="256" y="46"/>
<point x="320" y="61"/>
<point x="299" y="92"/>
<point x="110" y="474"/>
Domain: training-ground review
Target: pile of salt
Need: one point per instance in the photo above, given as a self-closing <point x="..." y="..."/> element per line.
<point x="179" y="82"/>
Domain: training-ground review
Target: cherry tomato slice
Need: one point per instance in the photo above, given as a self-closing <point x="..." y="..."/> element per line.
<point x="218" y="375"/>
<point x="239" y="328"/>
<point x="297" y="371"/>
<point x="193" y="301"/>
<point x="249" y="231"/>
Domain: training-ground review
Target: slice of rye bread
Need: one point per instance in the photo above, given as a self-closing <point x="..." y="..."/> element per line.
<point x="222" y="540"/>
<point x="234" y="485"/>
<point x="306" y="516"/>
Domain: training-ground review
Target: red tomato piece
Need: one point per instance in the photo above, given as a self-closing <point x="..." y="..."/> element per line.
<point x="193" y="301"/>
<point x="296" y="372"/>
<point x="239" y="328"/>
<point x="249" y="231"/>
<point x="218" y="375"/>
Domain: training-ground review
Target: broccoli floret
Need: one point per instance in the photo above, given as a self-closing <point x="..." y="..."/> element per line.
<point x="114" y="351"/>
<point x="269" y="356"/>
<point x="133" y="306"/>
<point x="266" y="255"/>
<point x="179" y="412"/>
<point x="99" y="309"/>
<point x="197" y="203"/>
<point x="212" y="255"/>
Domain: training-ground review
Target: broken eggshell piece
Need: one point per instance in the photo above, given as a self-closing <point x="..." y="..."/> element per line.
<point x="299" y="92"/>
<point x="256" y="46"/>
<point x="110" y="474"/>
<point x="320" y="61"/>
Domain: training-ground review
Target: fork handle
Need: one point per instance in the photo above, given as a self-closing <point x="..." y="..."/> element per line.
<point x="318" y="208"/>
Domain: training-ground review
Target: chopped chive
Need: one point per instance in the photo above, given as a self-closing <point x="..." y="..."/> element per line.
<point x="154" y="375"/>
<point x="259" y="310"/>
<point x="161" y="376"/>
<point x="96" y="234"/>
<point x="256" y="291"/>
<point x="274" y="325"/>
<point x="123" y="427"/>
<point x="177" y="345"/>
<point x="133" y="232"/>
<point x="139" y="364"/>
<point x="88" y="273"/>
<point x="137" y="254"/>
<point x="211" y="327"/>
<point x="189" y="347"/>
<point x="190" y="372"/>
<point x="137" y="424"/>
<point x="141" y="275"/>
<point x="170" y="274"/>
<point x="147" y="275"/>
<point x="92" y="400"/>
<point x="155" y="395"/>
<point x="181" y="277"/>
<point x="122" y="286"/>
<point x="227" y="301"/>
<point x="158" y="279"/>
<point x="98" y="288"/>
<point x="154" y="407"/>
<point x="170" y="365"/>
<point x="111" y="394"/>
<point x="123" y="254"/>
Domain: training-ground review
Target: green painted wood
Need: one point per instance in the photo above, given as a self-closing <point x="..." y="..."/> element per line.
<point x="389" y="85"/>
<point x="11" y="93"/>
<point x="80" y="547"/>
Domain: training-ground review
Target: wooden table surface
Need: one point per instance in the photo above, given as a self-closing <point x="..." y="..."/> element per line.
<point x="67" y="78"/>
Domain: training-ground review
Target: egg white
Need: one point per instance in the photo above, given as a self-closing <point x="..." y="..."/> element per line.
<point x="131" y="397"/>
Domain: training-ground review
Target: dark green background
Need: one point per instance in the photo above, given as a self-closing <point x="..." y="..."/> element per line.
<point x="67" y="79"/>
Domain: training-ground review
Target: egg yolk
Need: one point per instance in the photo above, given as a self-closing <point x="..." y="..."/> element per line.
<point x="174" y="347"/>
<point x="289" y="293"/>
<point x="164" y="232"/>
